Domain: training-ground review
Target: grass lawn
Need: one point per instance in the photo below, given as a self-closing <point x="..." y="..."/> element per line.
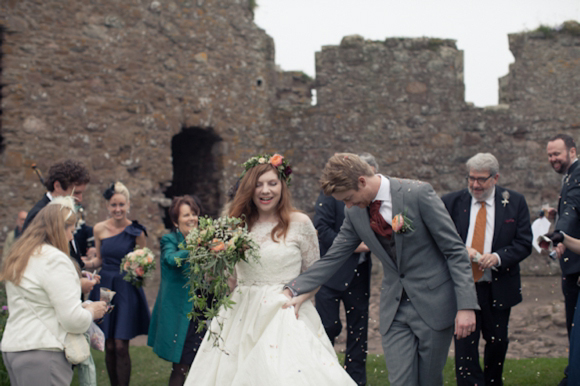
<point x="149" y="370"/>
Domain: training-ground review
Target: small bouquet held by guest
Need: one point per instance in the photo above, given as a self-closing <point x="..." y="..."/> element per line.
<point x="215" y="247"/>
<point x="138" y="265"/>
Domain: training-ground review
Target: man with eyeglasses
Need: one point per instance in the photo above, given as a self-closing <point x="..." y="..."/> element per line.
<point x="561" y="151"/>
<point x="494" y="224"/>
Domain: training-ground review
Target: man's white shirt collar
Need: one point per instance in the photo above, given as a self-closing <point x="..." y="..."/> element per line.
<point x="384" y="193"/>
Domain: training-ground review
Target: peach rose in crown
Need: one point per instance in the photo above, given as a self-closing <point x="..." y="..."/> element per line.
<point x="139" y="271"/>
<point x="398" y="223"/>
<point x="276" y="160"/>
<point x="149" y="259"/>
<point x="140" y="252"/>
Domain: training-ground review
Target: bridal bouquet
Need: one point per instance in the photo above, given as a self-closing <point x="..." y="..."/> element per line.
<point x="138" y="264"/>
<point x="215" y="247"/>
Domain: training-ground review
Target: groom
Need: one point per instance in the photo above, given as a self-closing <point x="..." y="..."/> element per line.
<point x="427" y="291"/>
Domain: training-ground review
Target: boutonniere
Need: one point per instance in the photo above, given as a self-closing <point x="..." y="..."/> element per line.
<point x="402" y="223"/>
<point x="506" y="196"/>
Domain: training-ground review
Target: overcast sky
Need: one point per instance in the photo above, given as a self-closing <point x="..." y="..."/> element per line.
<point x="302" y="27"/>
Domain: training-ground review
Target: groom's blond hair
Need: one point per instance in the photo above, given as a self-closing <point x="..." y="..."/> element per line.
<point x="341" y="173"/>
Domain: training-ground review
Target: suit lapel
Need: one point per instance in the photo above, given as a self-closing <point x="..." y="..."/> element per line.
<point x="398" y="205"/>
<point x="564" y="189"/>
<point x="464" y="215"/>
<point x="499" y="215"/>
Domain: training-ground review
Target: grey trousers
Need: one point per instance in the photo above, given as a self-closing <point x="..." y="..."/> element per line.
<point x="415" y="354"/>
<point x="38" y="368"/>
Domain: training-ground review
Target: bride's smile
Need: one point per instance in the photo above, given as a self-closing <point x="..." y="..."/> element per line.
<point x="267" y="192"/>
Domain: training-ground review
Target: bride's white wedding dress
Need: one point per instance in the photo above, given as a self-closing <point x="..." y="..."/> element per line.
<point x="263" y="344"/>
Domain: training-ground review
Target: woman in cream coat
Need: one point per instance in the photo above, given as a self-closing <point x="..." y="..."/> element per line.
<point x="42" y="282"/>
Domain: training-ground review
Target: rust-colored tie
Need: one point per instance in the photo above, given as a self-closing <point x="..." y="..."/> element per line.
<point x="479" y="239"/>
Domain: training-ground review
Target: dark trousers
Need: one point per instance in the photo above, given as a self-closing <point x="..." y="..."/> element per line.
<point x="356" y="303"/>
<point x="574" y="358"/>
<point x="493" y="325"/>
<point x="570" y="290"/>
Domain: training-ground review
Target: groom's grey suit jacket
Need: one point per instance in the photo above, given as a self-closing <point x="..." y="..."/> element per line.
<point x="432" y="262"/>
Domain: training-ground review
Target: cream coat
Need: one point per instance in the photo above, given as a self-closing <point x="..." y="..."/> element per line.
<point x="52" y="288"/>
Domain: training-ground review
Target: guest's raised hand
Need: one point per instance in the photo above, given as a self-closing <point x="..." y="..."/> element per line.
<point x="464" y="323"/>
<point x="91" y="252"/>
<point x="550" y="213"/>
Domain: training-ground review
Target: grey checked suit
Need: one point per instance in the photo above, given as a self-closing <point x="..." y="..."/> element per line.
<point x="432" y="268"/>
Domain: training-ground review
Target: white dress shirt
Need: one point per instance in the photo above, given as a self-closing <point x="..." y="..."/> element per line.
<point x="384" y="194"/>
<point x="489" y="228"/>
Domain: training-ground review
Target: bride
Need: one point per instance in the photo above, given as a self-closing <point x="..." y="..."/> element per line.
<point x="264" y="344"/>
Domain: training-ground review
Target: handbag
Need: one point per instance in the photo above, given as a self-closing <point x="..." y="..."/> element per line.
<point x="76" y="346"/>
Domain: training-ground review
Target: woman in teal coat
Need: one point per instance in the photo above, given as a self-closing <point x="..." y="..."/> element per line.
<point x="171" y="334"/>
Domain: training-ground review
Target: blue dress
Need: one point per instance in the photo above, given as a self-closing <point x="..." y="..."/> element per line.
<point x="131" y="315"/>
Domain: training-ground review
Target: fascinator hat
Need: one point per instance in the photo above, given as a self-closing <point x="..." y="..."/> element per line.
<point x="109" y="192"/>
<point x="65" y="202"/>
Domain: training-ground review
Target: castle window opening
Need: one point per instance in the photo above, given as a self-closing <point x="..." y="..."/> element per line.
<point x="196" y="168"/>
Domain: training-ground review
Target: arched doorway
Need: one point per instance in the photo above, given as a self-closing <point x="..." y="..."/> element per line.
<point x="196" y="168"/>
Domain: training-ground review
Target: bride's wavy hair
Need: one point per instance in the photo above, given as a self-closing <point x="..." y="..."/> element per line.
<point x="243" y="205"/>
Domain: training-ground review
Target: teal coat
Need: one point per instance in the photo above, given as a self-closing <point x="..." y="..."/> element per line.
<point x="169" y="321"/>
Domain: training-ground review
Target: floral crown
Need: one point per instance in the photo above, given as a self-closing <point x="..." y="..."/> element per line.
<point x="280" y="163"/>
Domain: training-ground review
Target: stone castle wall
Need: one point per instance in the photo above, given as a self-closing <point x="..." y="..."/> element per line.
<point x="111" y="83"/>
<point x="130" y="88"/>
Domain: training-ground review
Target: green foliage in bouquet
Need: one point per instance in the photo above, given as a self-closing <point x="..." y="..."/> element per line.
<point x="215" y="247"/>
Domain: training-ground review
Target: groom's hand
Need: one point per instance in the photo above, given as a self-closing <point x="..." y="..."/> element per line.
<point x="288" y="293"/>
<point x="295" y="302"/>
<point x="464" y="323"/>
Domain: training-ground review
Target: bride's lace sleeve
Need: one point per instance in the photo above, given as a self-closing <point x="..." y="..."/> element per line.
<point x="308" y="242"/>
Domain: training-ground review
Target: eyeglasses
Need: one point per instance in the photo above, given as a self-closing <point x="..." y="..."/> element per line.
<point x="480" y="180"/>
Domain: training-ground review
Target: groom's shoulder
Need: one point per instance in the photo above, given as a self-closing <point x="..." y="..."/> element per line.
<point x="452" y="196"/>
<point x="409" y="185"/>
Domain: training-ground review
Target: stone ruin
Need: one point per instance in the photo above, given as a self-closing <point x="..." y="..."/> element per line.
<point x="170" y="97"/>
